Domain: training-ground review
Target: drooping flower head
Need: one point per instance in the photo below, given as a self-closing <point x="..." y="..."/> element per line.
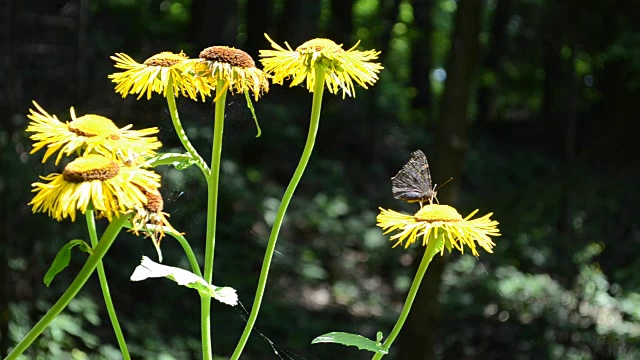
<point x="88" y="134"/>
<point x="341" y="67"/>
<point x="435" y="220"/>
<point x="234" y="67"/>
<point x="108" y="185"/>
<point x="155" y="74"/>
<point x="150" y="219"/>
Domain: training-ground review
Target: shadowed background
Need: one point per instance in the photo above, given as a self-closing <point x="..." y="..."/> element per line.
<point x="531" y="106"/>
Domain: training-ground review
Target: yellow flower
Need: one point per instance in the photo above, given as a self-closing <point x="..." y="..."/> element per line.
<point x="232" y="66"/>
<point x="340" y="67"/>
<point x="90" y="134"/>
<point x="155" y="74"/>
<point x="434" y="220"/>
<point x="109" y="186"/>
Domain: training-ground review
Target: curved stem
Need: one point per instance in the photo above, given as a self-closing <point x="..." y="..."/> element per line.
<point x="213" y="181"/>
<point x="89" y="266"/>
<point x="193" y="261"/>
<point x="432" y="249"/>
<point x="175" y="118"/>
<point x="91" y="226"/>
<point x="288" y="194"/>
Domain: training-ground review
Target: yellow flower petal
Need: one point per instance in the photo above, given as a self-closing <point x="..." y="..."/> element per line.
<point x="234" y="67"/>
<point x="155" y="74"/>
<point x="341" y="67"/>
<point x="110" y="187"/>
<point x="434" y="219"/>
<point x="90" y="134"/>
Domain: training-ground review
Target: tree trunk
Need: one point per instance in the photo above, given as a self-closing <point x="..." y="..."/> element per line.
<point x="209" y="27"/>
<point x="421" y="61"/>
<point x="299" y="22"/>
<point x="388" y="16"/>
<point x="340" y="25"/>
<point x="495" y="52"/>
<point x="258" y="13"/>
<point x="419" y="334"/>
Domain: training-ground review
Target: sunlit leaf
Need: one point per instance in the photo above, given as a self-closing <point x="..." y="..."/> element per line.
<point x="150" y="269"/>
<point x="62" y="259"/>
<point x="179" y="161"/>
<point x="352" y="340"/>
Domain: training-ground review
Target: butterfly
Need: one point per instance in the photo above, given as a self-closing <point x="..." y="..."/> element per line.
<point x="413" y="182"/>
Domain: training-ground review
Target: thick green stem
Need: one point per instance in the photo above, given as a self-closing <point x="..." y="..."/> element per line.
<point x="282" y="209"/>
<point x="432" y="249"/>
<point x="213" y="181"/>
<point x="205" y="326"/>
<point x="102" y="276"/>
<point x="92" y="262"/>
<point x="175" y="118"/>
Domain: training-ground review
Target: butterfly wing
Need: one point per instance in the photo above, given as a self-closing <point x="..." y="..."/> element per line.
<point x="413" y="181"/>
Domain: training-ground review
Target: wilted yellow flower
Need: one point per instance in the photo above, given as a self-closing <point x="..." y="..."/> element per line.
<point x="340" y="67"/>
<point x="90" y="134"/>
<point x="434" y="220"/>
<point x="151" y="214"/>
<point x="109" y="186"/>
<point x="232" y="66"/>
<point x="155" y="74"/>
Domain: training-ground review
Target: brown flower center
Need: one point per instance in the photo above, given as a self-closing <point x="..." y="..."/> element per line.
<point x="155" y="203"/>
<point x="89" y="168"/>
<point x="231" y="56"/>
<point x="165" y="59"/>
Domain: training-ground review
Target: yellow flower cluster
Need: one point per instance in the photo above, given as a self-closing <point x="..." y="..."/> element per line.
<point x="105" y="173"/>
<point x="237" y="71"/>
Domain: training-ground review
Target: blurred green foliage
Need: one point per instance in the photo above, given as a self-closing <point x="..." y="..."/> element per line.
<point x="563" y="282"/>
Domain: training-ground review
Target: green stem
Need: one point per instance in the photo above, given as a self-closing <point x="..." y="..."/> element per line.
<point x="205" y="326"/>
<point x="175" y="118"/>
<point x="288" y="194"/>
<point x="91" y="226"/>
<point x="92" y="262"/>
<point x="187" y="250"/>
<point x="193" y="261"/>
<point x="432" y="249"/>
<point x="213" y="181"/>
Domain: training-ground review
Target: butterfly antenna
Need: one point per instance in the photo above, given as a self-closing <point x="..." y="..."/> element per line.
<point x="443" y="184"/>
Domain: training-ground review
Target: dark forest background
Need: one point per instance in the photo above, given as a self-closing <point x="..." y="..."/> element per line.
<point x="532" y="106"/>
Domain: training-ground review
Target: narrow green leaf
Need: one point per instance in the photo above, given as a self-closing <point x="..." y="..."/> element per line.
<point x="62" y="259"/>
<point x="253" y="112"/>
<point x="352" y="340"/>
<point x="177" y="160"/>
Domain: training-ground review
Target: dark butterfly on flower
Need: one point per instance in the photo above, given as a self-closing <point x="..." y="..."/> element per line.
<point x="413" y="181"/>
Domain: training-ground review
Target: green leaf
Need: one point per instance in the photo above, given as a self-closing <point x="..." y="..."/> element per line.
<point x="352" y="340"/>
<point x="62" y="259"/>
<point x="150" y="269"/>
<point x="179" y="161"/>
